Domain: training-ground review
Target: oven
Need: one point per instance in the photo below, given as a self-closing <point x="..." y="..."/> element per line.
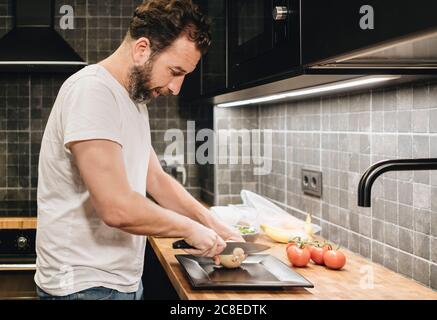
<point x="17" y="264"/>
<point x="264" y="39"/>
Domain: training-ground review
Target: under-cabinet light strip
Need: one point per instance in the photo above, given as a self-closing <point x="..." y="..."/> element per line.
<point x="312" y="90"/>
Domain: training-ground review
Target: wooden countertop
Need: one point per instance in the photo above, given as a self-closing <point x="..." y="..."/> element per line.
<point x="328" y="284"/>
<point x="18" y="223"/>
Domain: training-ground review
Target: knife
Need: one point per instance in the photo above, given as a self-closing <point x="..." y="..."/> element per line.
<point x="248" y="247"/>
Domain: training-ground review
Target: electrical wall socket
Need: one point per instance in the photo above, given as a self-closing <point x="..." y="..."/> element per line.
<point x="312" y="182"/>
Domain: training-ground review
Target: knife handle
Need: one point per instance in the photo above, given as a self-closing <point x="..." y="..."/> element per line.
<point x="181" y="244"/>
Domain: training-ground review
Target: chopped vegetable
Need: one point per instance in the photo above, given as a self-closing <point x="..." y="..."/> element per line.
<point x="234" y="260"/>
<point x="245" y="229"/>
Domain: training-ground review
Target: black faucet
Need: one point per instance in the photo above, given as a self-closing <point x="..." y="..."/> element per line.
<point x="373" y="172"/>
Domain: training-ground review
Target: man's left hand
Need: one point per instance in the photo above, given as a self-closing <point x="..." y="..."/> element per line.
<point x="228" y="233"/>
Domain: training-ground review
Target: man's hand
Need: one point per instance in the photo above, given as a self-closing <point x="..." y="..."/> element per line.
<point x="206" y="241"/>
<point x="171" y="195"/>
<point x="226" y="232"/>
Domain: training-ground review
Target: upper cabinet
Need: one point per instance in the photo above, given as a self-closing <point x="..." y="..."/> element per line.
<point x="214" y="76"/>
<point x="257" y="42"/>
<point x="332" y="29"/>
<point x="210" y="76"/>
<point x="252" y="40"/>
<point x="264" y="39"/>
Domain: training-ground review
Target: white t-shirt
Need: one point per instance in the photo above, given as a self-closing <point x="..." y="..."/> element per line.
<point x="75" y="249"/>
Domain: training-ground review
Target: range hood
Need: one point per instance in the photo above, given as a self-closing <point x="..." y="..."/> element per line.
<point x="416" y="51"/>
<point x="389" y="34"/>
<point x="311" y="83"/>
<point x="33" y="45"/>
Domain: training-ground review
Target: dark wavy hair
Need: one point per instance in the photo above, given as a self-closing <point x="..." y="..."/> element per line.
<point x="163" y="21"/>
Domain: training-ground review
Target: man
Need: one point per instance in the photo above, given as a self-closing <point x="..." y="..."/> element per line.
<point x="96" y="163"/>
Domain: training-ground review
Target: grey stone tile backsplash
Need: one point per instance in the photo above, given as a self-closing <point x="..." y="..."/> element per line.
<point x="26" y="100"/>
<point x="167" y="113"/>
<point x="25" y="104"/>
<point x="342" y="135"/>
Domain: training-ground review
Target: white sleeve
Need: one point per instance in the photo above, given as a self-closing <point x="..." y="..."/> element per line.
<point x="90" y="111"/>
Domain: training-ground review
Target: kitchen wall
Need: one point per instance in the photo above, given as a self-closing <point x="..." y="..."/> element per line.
<point x="25" y="104"/>
<point x="167" y="114"/>
<point x="26" y="99"/>
<point x="204" y="117"/>
<point x="342" y="135"/>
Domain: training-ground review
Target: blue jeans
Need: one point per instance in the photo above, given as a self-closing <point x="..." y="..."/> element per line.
<point x="96" y="293"/>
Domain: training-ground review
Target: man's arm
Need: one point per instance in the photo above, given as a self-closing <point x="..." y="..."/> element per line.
<point x="101" y="167"/>
<point x="171" y="195"/>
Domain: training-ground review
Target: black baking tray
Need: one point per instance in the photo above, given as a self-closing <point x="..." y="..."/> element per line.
<point x="257" y="271"/>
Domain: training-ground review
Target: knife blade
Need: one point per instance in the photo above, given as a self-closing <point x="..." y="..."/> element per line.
<point x="248" y="247"/>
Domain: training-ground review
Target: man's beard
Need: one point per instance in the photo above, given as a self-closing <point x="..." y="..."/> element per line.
<point x="140" y="89"/>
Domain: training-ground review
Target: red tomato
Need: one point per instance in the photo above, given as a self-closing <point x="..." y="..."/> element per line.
<point x="299" y="257"/>
<point x="317" y="254"/>
<point x="294" y="242"/>
<point x="290" y="244"/>
<point x="334" y="259"/>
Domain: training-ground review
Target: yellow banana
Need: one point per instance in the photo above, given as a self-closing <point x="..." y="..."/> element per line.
<point x="309" y="227"/>
<point x="277" y="234"/>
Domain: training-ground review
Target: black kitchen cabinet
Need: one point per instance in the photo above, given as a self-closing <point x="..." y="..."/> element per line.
<point x="256" y="42"/>
<point x="191" y="87"/>
<point x="214" y="75"/>
<point x="264" y="39"/>
<point x="253" y="41"/>
<point x="157" y="285"/>
<point x="210" y="76"/>
<point x="331" y="28"/>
